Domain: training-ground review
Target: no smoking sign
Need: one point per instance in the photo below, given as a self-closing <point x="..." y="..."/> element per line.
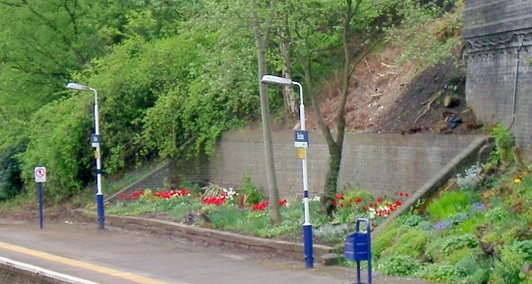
<point x="40" y="174"/>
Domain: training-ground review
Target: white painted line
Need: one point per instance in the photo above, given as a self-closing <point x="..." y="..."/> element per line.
<point x="42" y="271"/>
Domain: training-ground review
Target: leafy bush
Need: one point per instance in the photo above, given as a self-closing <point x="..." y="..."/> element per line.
<point x="508" y="269"/>
<point x="474" y="269"/>
<point x="10" y="171"/>
<point x="330" y="233"/>
<point x="441" y="248"/>
<point x="411" y="243"/>
<point x="470" y="179"/>
<point x="438" y="272"/>
<point x="399" y="265"/>
<point x="60" y="142"/>
<point x="250" y="191"/>
<point x="385" y="239"/>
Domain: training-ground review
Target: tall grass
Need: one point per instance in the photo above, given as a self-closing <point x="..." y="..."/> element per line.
<point x="451" y="203"/>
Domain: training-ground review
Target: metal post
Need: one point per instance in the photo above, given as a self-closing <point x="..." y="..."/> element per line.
<point x="99" y="193"/>
<point x="307" y="227"/>
<point x="39" y="191"/>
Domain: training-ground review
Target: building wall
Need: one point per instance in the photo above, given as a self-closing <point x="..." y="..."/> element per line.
<point x="498" y="37"/>
<point x="381" y="163"/>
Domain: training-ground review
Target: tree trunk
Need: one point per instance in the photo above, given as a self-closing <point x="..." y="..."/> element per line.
<point x="288" y="91"/>
<point x="331" y="179"/>
<point x="261" y="41"/>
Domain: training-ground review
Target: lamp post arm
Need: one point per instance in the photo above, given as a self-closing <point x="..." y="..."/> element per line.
<point x="96" y="113"/>
<point x="301" y="106"/>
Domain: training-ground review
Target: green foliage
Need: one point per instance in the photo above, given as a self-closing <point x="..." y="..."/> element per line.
<point x="442" y="248"/>
<point x="508" y="269"/>
<point x="225" y="217"/>
<point x="383" y="241"/>
<point x="504" y="142"/>
<point x="471" y="224"/>
<point x="250" y="191"/>
<point x="332" y="233"/>
<point x="10" y="172"/>
<point x="286" y="228"/>
<point x="411" y="243"/>
<point x="427" y="34"/>
<point x="414" y="221"/>
<point x="399" y="265"/>
<point x="61" y="143"/>
<point x="438" y="272"/>
<point x="474" y="269"/>
<point x="451" y="203"/>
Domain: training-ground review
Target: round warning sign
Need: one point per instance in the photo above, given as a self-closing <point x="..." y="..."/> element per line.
<point x="40" y="174"/>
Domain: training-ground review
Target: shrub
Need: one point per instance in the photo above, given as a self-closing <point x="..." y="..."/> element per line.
<point x="508" y="269"/>
<point x="332" y="233"/>
<point x="474" y="270"/>
<point x="470" y="179"/>
<point x="438" y="272"/>
<point x="250" y="192"/>
<point x="384" y="240"/>
<point x="10" y="170"/>
<point x="442" y="248"/>
<point x="399" y="265"/>
<point x="411" y="243"/>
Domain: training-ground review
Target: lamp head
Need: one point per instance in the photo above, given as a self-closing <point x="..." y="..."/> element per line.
<point x="75" y="86"/>
<point x="275" y="80"/>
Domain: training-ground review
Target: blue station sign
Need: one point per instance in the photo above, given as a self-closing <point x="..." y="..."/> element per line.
<point x="301" y="138"/>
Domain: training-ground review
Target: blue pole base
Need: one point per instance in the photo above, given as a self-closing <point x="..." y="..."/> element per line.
<point x="99" y="209"/>
<point x="307" y="242"/>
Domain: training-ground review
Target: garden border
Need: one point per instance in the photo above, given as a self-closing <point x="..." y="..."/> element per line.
<point x="210" y="236"/>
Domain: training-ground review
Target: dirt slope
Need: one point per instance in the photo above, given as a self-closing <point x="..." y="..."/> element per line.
<point x="387" y="98"/>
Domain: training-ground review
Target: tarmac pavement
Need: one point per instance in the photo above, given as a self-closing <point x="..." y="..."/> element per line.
<point x="115" y="256"/>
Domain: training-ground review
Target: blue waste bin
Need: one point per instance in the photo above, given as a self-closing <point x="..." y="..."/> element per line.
<point x="357" y="247"/>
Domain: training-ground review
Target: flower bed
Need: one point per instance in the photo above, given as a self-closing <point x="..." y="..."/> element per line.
<point x="246" y="212"/>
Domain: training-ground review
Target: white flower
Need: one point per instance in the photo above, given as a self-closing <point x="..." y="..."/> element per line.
<point x="371" y="213"/>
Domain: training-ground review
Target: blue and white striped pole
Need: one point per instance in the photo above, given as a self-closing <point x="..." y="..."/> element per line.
<point x="96" y="144"/>
<point x="307" y="226"/>
<point x="99" y="193"/>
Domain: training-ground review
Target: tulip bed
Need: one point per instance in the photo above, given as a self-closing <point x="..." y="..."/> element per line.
<point x="231" y="210"/>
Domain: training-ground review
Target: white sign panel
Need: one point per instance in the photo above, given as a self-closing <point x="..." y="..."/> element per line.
<point x="40" y="174"/>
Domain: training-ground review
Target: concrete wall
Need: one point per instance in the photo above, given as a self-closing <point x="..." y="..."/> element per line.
<point x="498" y="37"/>
<point x="382" y="163"/>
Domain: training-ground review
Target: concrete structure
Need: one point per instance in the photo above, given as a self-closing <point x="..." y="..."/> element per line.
<point x="498" y="37"/>
<point x="384" y="164"/>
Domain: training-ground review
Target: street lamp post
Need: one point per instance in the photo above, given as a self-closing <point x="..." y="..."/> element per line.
<point x="307" y="227"/>
<point x="96" y="144"/>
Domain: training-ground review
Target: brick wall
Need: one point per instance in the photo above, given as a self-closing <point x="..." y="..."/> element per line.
<point x="498" y="37"/>
<point x="381" y="163"/>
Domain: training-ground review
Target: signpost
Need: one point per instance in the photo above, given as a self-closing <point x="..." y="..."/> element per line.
<point x="40" y="177"/>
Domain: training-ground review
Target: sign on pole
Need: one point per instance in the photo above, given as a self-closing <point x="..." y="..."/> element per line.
<point x="301" y="138"/>
<point x="95" y="140"/>
<point x="40" y="174"/>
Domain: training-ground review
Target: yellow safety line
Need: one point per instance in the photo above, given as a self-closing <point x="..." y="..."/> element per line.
<point x="84" y="265"/>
